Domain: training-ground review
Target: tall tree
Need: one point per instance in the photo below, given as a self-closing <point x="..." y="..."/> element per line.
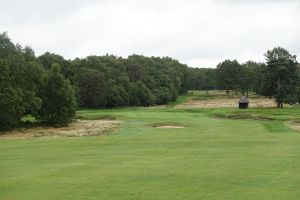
<point x="93" y="89"/>
<point x="23" y="77"/>
<point x="281" y="78"/>
<point x="59" y="104"/>
<point x="228" y="75"/>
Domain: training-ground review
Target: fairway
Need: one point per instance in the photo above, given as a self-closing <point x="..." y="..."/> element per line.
<point x="211" y="158"/>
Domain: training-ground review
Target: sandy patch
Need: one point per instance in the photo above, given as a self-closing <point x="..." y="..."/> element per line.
<point x="169" y="127"/>
<point x="293" y="125"/>
<point x="227" y="103"/>
<point x="75" y="129"/>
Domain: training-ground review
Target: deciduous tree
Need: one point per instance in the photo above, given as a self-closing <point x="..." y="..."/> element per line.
<point x="59" y="104"/>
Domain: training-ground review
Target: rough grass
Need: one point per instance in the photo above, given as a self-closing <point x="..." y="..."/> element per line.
<point x="75" y="129"/>
<point x="99" y="117"/>
<point x="196" y="95"/>
<point x="211" y="158"/>
<point x="243" y="116"/>
<point x="219" y="99"/>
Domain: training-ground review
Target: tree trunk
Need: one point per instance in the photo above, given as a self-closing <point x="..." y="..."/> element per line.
<point x="247" y="93"/>
<point x="278" y="93"/>
<point x="279" y="104"/>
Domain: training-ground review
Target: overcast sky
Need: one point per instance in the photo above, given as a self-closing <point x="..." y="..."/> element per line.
<point x="200" y="33"/>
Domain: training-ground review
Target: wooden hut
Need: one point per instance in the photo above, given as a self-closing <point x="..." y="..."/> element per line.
<point x="243" y="102"/>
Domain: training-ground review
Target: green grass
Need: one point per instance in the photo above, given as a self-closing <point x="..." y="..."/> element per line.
<point x="289" y="113"/>
<point x="196" y="95"/>
<point x="212" y="158"/>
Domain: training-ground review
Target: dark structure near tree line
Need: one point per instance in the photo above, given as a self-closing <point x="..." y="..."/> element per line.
<point x="243" y="102"/>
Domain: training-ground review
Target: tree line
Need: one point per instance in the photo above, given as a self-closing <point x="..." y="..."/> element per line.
<point x="278" y="77"/>
<point x="26" y="87"/>
<point x="51" y="88"/>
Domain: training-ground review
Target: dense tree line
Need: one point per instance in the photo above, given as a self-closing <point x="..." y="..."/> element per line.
<point x="229" y="76"/>
<point x="50" y="88"/>
<point x="202" y="79"/>
<point x="240" y="77"/>
<point x="26" y="87"/>
<point x="109" y="81"/>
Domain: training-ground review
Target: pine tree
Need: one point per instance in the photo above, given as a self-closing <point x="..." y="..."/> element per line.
<point x="281" y="78"/>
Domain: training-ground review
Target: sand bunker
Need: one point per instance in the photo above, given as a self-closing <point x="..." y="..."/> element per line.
<point x="226" y="103"/>
<point x="168" y="125"/>
<point x="75" y="129"/>
<point x="293" y="125"/>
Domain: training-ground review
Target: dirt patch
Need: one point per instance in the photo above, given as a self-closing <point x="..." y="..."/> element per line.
<point x="168" y="125"/>
<point x="227" y="103"/>
<point x="75" y="129"/>
<point x="293" y="125"/>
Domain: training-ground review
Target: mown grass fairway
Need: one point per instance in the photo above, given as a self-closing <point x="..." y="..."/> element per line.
<point x="211" y="158"/>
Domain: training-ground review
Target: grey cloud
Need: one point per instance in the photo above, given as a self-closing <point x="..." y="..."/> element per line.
<point x="256" y="1"/>
<point x="199" y="33"/>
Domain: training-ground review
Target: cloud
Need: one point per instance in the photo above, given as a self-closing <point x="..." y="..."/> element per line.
<point x="199" y="33"/>
<point x="256" y="1"/>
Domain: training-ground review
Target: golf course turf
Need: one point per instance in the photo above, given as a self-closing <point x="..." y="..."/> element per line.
<point x="210" y="158"/>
